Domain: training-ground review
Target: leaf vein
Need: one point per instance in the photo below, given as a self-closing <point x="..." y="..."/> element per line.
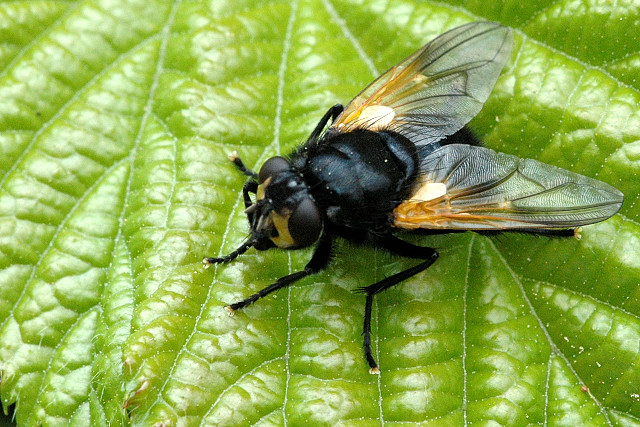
<point x="554" y="348"/>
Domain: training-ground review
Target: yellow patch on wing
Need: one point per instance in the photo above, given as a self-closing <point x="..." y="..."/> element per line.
<point x="373" y="117"/>
<point x="430" y="191"/>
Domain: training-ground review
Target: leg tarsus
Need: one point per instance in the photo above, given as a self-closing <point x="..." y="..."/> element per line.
<point x="240" y="165"/>
<point x="280" y="283"/>
<point x="400" y="247"/>
<point x="229" y="257"/>
<point x="249" y="187"/>
<point x="373" y="366"/>
<point x="318" y="262"/>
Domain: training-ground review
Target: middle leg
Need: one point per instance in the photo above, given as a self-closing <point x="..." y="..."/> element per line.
<point x="398" y="247"/>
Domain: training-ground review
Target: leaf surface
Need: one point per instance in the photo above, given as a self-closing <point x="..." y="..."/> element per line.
<point x="116" y="121"/>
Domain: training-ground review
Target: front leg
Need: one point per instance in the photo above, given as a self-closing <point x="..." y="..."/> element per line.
<point x="332" y="114"/>
<point x="318" y="262"/>
<point x="235" y="158"/>
<point x="398" y="247"/>
<point x="249" y="187"/>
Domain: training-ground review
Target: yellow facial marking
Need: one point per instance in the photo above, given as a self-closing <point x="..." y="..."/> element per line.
<point x="261" y="188"/>
<point x="281" y="223"/>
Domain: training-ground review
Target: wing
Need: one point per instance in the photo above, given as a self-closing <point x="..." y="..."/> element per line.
<point x="465" y="187"/>
<point x="437" y="90"/>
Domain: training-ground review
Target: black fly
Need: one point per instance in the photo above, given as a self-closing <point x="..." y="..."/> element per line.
<point x="398" y="157"/>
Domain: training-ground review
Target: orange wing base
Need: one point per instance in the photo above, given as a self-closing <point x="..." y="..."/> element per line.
<point x="438" y="214"/>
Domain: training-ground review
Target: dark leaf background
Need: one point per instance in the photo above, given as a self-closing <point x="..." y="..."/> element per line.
<point x="116" y="118"/>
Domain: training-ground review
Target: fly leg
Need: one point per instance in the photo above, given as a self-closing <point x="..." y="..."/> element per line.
<point x="331" y="114"/>
<point x="318" y="262"/>
<point x="398" y="247"/>
<point x="229" y="257"/>
<point x="240" y="165"/>
<point x="249" y="187"/>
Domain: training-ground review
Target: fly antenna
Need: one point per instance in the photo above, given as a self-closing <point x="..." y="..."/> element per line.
<point x="230" y="257"/>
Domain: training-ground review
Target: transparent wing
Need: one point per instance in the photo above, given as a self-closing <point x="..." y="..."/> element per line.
<point x="474" y="188"/>
<point x="435" y="91"/>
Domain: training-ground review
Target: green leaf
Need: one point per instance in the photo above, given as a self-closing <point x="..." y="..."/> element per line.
<point x="115" y="124"/>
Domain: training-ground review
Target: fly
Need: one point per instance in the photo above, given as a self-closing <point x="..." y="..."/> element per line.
<point x="399" y="157"/>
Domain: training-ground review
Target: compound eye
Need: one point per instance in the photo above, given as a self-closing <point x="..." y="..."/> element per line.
<point x="272" y="167"/>
<point x="305" y="223"/>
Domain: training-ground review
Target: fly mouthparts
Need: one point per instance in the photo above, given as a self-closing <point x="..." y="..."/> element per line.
<point x="251" y="209"/>
<point x="262" y="223"/>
